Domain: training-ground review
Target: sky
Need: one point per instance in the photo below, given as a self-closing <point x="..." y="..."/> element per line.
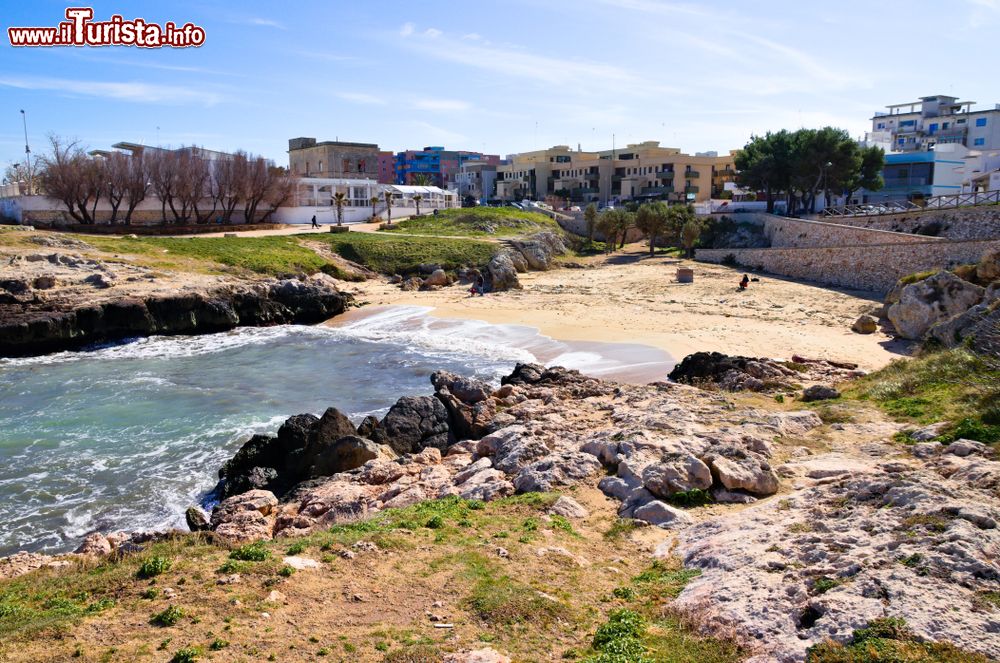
<point x="498" y="77"/>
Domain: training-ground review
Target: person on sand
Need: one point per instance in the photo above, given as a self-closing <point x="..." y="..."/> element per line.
<point x="745" y="282"/>
<point x="479" y="287"/>
<point x="314" y="224"/>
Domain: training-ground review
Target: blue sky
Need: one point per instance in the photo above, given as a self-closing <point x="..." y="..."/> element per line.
<point x="501" y="77"/>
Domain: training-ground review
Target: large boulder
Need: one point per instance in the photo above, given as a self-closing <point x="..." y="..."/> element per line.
<point x="866" y="324"/>
<point x="662" y="515"/>
<point x="988" y="268"/>
<point x="247" y="517"/>
<point x="343" y="455"/>
<point x="739" y="469"/>
<point x="413" y="423"/>
<point x="676" y="473"/>
<point x="923" y="304"/>
<point x="501" y="273"/>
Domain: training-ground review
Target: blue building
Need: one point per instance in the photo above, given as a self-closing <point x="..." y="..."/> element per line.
<point x="920" y="175"/>
<point x="438" y="165"/>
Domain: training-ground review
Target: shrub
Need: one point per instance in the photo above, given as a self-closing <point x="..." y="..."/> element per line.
<point x="251" y="552"/>
<point x="729" y="260"/>
<point x="153" y="566"/>
<point x="170" y="616"/>
<point x="287" y="571"/>
<point x="296" y="548"/>
<point x="186" y="655"/>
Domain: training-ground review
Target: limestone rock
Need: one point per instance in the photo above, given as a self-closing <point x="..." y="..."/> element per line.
<point x="662" y="515"/>
<point x="819" y="392"/>
<point x="501" y="273"/>
<point x="247" y="517"/>
<point x="676" y="473"/>
<point x="866" y="324"/>
<point x="487" y="655"/>
<point x="567" y="507"/>
<point x="437" y="278"/>
<point x="738" y="469"/>
<point x="343" y="455"/>
<point x="95" y="544"/>
<point x="988" y="268"/>
<point x="930" y="301"/>
<point x="196" y="519"/>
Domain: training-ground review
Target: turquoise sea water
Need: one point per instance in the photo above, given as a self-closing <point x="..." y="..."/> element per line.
<point x="126" y="437"/>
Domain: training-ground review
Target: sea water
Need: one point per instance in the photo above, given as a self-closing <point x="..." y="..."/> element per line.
<point x="125" y="437"/>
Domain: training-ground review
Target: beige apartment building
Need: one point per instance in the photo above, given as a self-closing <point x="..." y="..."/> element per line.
<point x="333" y="159"/>
<point x="635" y="172"/>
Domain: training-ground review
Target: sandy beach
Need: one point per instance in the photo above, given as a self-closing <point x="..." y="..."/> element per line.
<point x="630" y="297"/>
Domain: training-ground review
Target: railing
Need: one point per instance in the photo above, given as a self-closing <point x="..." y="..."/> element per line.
<point x="894" y="207"/>
<point x="692" y="173"/>
<point x="963" y="200"/>
<point x="649" y="190"/>
<point x="664" y="174"/>
<point x="690" y="189"/>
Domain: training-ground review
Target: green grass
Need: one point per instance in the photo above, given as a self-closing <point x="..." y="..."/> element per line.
<point x="167" y="617"/>
<point x="889" y="640"/>
<point x="275" y="256"/>
<point x="944" y="385"/>
<point x="152" y="567"/>
<point x="404" y="255"/>
<point x="251" y="552"/>
<point x="477" y="222"/>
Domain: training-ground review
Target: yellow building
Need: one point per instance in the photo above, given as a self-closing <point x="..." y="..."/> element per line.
<point x="635" y="172"/>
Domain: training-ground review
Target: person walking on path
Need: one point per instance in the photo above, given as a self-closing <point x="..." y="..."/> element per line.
<point x="314" y="224"/>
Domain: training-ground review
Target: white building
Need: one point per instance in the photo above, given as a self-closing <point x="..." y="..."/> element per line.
<point x="937" y="120"/>
<point x="314" y="197"/>
<point x="478" y="180"/>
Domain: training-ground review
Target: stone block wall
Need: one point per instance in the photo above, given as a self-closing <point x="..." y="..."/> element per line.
<point x="872" y="267"/>
<point x="784" y="232"/>
<point x="962" y="223"/>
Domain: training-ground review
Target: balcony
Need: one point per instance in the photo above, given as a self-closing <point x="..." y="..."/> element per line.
<point x="690" y="189"/>
<point x="664" y="175"/>
<point x="692" y="174"/>
<point x="656" y="190"/>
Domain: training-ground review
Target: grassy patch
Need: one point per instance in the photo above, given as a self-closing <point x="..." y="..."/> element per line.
<point x="152" y="567"/>
<point x="947" y="385"/>
<point x="404" y="255"/>
<point x="251" y="552"/>
<point x="276" y="256"/>
<point x="498" y="599"/>
<point x="664" y="580"/>
<point x="477" y="222"/>
<point x="888" y="640"/>
<point x="691" y="498"/>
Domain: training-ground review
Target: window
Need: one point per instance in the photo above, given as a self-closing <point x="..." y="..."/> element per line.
<point x="979" y="141"/>
<point x="946" y="125"/>
<point x="902" y="141"/>
<point x="960" y="121"/>
<point x="881" y="125"/>
<point x="981" y="122"/>
<point x="933" y="127"/>
<point x="321" y="166"/>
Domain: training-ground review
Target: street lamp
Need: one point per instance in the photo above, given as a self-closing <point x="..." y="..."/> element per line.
<point x="27" y="150"/>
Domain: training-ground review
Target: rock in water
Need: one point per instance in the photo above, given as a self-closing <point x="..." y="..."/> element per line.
<point x="196" y="519"/>
<point x="923" y="304"/>
<point x="413" y="423"/>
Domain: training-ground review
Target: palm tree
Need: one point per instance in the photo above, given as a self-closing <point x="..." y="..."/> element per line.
<point x="388" y="208"/>
<point x="416" y="199"/>
<point x="422" y="179"/>
<point x="374" y="201"/>
<point x="338" y="199"/>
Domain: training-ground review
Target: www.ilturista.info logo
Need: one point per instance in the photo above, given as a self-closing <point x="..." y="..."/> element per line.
<point x="80" y="30"/>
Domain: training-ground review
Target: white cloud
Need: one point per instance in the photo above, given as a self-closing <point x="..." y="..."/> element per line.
<point x="436" y="134"/>
<point x="518" y="63"/>
<point x="406" y="30"/>
<point x="472" y="36"/>
<point x="145" y="93"/>
<point x="433" y="33"/>
<point x="442" y="105"/>
<point x="361" y="98"/>
<point x="267" y="23"/>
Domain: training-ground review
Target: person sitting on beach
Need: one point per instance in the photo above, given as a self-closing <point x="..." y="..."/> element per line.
<point x="745" y="282"/>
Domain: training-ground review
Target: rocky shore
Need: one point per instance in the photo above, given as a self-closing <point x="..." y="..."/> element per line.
<point x="62" y="301"/>
<point x="802" y="531"/>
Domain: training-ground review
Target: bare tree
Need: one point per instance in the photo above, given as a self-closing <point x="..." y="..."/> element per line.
<point x="388" y="207"/>
<point x="163" y="178"/>
<point x="137" y="184"/>
<point x="280" y="189"/>
<point x="77" y="180"/>
<point x="118" y="170"/>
